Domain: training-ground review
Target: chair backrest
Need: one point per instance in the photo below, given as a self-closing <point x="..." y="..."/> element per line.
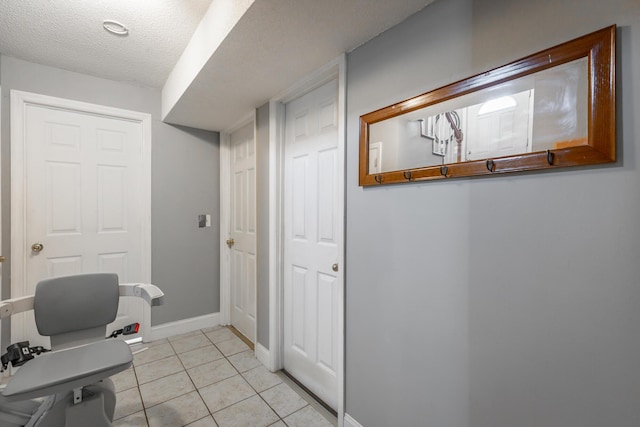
<point x="71" y="304"/>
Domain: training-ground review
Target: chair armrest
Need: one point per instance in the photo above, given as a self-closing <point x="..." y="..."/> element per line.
<point x="150" y="293"/>
<point x="64" y="370"/>
<point x="9" y="307"/>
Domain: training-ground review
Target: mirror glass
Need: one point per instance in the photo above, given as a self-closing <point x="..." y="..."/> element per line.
<point x="541" y="111"/>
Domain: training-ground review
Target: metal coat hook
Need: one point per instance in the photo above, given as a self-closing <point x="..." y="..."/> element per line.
<point x="491" y="165"/>
<point x="378" y="178"/>
<point x="550" y="157"/>
<point x="444" y="170"/>
<point x="407" y="175"/>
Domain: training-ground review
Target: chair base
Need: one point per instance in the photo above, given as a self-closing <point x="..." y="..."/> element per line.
<point x="17" y="414"/>
<point x="96" y="409"/>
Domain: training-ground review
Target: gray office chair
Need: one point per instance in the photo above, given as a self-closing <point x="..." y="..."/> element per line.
<point x="70" y="385"/>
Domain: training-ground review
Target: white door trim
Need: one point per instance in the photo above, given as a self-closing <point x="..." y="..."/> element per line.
<point x="225" y="214"/>
<point x="336" y="69"/>
<point x="19" y="102"/>
<point x="225" y="220"/>
<point x="276" y="248"/>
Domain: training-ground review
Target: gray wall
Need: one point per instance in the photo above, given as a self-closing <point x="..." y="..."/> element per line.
<point x="185" y="182"/>
<point x="503" y="301"/>
<point x="262" y="166"/>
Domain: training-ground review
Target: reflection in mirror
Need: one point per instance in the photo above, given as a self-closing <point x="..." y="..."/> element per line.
<point x="538" y="112"/>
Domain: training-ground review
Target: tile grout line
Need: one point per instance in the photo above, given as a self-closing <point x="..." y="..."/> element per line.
<point x="263" y="399"/>
<point x="197" y="389"/>
<point x="308" y="396"/>
<point x="244" y="379"/>
<point x="144" y="407"/>
<point x="191" y="379"/>
<point x="144" y="410"/>
<point x="250" y="385"/>
<point x="226" y="358"/>
<point x="252" y="348"/>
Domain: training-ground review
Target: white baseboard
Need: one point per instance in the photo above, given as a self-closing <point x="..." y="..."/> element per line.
<point x="349" y="421"/>
<point x="183" y="326"/>
<point x="264" y="356"/>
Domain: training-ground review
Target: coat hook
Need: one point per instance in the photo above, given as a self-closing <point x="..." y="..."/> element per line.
<point x="444" y="170"/>
<point x="550" y="157"/>
<point x="378" y="178"/>
<point x="491" y="165"/>
<point x="407" y="175"/>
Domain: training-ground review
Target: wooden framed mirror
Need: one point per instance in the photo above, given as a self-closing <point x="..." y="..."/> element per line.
<point x="552" y="109"/>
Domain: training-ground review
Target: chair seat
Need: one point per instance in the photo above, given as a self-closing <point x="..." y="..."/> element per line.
<point x="64" y="370"/>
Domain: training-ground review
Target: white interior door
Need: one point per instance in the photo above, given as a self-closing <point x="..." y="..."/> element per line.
<point x="503" y="129"/>
<point x="243" y="231"/>
<point x="312" y="242"/>
<point x="84" y="187"/>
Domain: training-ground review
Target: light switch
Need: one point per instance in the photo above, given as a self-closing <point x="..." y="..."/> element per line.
<point x="204" y="220"/>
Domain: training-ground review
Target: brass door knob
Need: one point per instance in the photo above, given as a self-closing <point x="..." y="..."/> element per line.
<point x="3" y="258"/>
<point x="230" y="242"/>
<point x="37" y="247"/>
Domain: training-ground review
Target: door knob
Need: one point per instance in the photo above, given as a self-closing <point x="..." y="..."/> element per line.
<point x="3" y="258"/>
<point x="37" y="247"/>
<point x="230" y="242"/>
<point x="334" y="267"/>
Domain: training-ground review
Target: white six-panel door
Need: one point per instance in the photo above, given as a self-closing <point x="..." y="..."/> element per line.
<point x="243" y="231"/>
<point x="504" y="132"/>
<point x="312" y="240"/>
<point x="83" y="186"/>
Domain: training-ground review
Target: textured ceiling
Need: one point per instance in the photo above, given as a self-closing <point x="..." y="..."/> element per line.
<point x="272" y="46"/>
<point x="68" y="34"/>
<point x="275" y="44"/>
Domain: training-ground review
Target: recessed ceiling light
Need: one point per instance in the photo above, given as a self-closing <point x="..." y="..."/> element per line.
<point x="114" y="27"/>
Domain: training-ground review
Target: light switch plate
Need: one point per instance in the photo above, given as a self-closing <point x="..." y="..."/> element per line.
<point x="204" y="220"/>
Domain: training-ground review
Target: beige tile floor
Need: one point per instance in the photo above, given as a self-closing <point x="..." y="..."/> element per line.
<point x="209" y="378"/>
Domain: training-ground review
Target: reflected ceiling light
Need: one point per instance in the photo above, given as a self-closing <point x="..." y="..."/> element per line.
<point x="115" y="27"/>
<point x="497" y="104"/>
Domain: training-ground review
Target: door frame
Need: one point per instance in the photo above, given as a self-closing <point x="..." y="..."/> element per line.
<point x="19" y="102"/>
<point x="334" y="70"/>
<point x="2" y="343"/>
<point x="225" y="218"/>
